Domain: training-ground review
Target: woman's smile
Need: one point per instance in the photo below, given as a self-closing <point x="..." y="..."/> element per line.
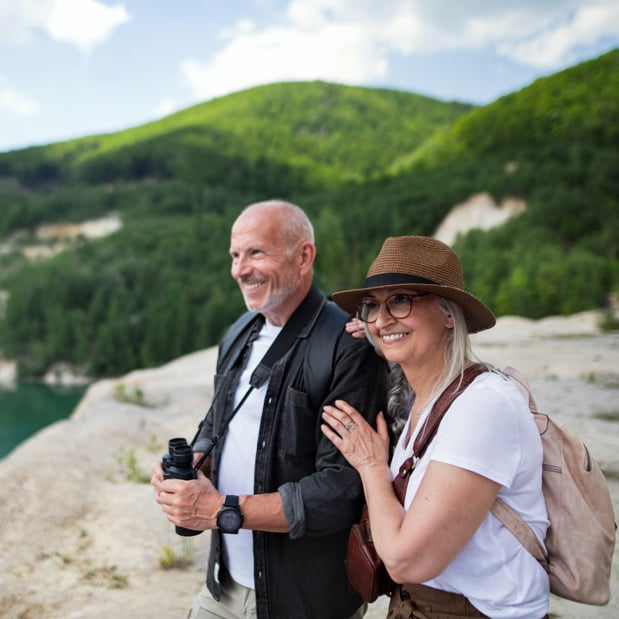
<point x="389" y="338"/>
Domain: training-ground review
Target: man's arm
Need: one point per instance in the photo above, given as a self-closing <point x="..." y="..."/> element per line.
<point x="194" y="504"/>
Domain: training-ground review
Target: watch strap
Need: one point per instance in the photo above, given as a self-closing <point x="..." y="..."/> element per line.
<point x="231" y="500"/>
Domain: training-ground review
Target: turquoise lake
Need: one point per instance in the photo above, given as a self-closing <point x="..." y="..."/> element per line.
<point x="30" y="407"/>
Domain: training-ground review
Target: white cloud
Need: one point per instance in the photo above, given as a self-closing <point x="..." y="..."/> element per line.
<point x="318" y="40"/>
<point x="17" y="103"/>
<point x="84" y="23"/>
<point x="353" y="41"/>
<point x="340" y="53"/>
<point x="554" y="48"/>
<point x="81" y="23"/>
<point x="18" y="19"/>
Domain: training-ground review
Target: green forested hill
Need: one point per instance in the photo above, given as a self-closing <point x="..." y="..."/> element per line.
<point x="555" y="144"/>
<point x="281" y="138"/>
<point x="364" y="163"/>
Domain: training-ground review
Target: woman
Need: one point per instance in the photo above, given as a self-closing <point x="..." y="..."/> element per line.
<point x="416" y="312"/>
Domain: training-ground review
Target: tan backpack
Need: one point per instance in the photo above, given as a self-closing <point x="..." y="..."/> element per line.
<point x="581" y="538"/>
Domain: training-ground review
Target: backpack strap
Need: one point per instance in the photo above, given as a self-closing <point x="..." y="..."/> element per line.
<point x="320" y="358"/>
<point x="502" y="511"/>
<point x="319" y="361"/>
<point x="422" y="440"/>
<point x="520" y="530"/>
<point x="242" y="325"/>
<point x="444" y="401"/>
<point x="242" y="332"/>
<point x="511" y="372"/>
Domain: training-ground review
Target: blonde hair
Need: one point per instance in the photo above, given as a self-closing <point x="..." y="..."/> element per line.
<point x="457" y="352"/>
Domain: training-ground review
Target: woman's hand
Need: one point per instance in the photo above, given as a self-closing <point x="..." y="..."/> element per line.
<point x="358" y="442"/>
<point x="355" y="327"/>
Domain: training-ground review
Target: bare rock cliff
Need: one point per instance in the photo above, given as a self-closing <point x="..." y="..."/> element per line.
<point x="82" y="538"/>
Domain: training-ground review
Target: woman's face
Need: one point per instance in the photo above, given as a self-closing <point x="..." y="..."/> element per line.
<point x="415" y="340"/>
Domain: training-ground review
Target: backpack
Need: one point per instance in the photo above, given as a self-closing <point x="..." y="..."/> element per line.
<point x="581" y="538"/>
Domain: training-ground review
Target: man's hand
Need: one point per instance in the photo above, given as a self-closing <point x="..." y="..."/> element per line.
<point x="193" y="504"/>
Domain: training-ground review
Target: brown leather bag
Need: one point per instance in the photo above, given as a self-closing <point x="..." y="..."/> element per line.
<point x="366" y="571"/>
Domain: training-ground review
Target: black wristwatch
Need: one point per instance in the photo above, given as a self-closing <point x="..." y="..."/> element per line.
<point x="230" y="518"/>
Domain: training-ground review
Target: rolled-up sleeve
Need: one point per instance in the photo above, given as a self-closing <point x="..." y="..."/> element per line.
<point x="294" y="508"/>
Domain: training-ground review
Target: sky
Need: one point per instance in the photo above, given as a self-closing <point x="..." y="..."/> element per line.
<point x="71" y="68"/>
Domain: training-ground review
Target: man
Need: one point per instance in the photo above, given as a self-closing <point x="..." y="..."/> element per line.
<point x="279" y="497"/>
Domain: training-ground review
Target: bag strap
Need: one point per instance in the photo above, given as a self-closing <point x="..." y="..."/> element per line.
<point x="521" y="530"/>
<point x="319" y="360"/>
<point x="320" y="356"/>
<point x="286" y="337"/>
<point x="511" y="372"/>
<point x="423" y="439"/>
<point x="282" y="343"/>
<point x="455" y="388"/>
<point x="501" y="510"/>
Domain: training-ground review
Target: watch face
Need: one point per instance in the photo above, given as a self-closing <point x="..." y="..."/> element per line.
<point x="229" y="520"/>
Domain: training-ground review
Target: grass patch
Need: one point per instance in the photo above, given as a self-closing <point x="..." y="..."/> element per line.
<point x="169" y="559"/>
<point x="605" y="379"/>
<point x="154" y="446"/>
<point x="127" y="395"/>
<point x="107" y="576"/>
<point x="611" y="475"/>
<point x="128" y="462"/>
<point x="609" y="321"/>
<point x="607" y="416"/>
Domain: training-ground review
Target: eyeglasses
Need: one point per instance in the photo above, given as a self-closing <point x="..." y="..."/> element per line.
<point x="398" y="305"/>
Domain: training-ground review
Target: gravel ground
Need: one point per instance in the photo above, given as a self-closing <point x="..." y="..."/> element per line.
<point x="79" y="540"/>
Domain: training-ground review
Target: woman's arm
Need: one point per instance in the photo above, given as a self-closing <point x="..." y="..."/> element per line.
<point x="448" y="508"/>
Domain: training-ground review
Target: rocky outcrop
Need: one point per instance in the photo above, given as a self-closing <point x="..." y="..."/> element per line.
<point x="478" y="212"/>
<point x="51" y="239"/>
<point x="82" y="538"/>
<point x="8" y="372"/>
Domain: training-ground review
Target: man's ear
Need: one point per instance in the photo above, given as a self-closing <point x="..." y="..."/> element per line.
<point x="307" y="255"/>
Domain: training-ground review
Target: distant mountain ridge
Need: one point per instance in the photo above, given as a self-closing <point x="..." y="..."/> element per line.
<point x="338" y="131"/>
<point x="364" y="163"/>
<point x="578" y="104"/>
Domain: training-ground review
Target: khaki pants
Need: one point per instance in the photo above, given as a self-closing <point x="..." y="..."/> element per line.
<point x="237" y="602"/>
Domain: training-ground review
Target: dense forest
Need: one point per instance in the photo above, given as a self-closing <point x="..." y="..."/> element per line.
<point x="364" y="163"/>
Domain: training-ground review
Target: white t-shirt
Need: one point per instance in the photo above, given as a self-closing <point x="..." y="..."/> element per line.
<point x="238" y="458"/>
<point x="489" y="430"/>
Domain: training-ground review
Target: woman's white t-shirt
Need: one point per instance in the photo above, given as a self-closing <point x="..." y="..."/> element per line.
<point x="489" y="430"/>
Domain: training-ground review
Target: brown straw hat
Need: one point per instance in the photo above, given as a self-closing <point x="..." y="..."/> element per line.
<point x="420" y="263"/>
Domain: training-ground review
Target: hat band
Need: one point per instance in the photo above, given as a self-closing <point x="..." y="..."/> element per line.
<point x="393" y="279"/>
